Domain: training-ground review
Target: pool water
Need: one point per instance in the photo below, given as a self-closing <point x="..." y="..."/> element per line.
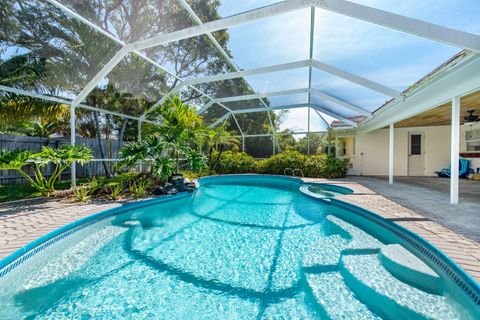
<point x="251" y="249"/>
<point x="324" y="190"/>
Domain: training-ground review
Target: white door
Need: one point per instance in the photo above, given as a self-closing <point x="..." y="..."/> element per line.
<point x="416" y="154"/>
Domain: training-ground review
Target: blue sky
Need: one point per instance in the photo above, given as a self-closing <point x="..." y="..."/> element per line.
<point x="387" y="56"/>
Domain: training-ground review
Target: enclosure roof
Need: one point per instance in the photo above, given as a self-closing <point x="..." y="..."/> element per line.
<point x="323" y="60"/>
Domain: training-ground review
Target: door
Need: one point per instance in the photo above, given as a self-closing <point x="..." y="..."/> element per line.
<point x="416" y="154"/>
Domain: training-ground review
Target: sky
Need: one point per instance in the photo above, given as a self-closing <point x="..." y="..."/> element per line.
<point x="389" y="57"/>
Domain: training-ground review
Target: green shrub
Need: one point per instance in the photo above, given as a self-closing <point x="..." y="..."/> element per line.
<point x="315" y="166"/>
<point x="138" y="189"/>
<point x="61" y="158"/>
<point x="86" y="190"/>
<point x="235" y="162"/>
<point x="334" y="168"/>
<point x="278" y="163"/>
<point x="193" y="175"/>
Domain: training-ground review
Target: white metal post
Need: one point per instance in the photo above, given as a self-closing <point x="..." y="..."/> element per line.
<point x="455" y="150"/>
<point x="139" y="139"/>
<point x="243" y="143"/>
<point x="390" y="153"/>
<point x="308" y="132"/>
<point x="73" y="168"/>
<point x="274" y="141"/>
<point x="337" y="153"/>
<point x="329" y="145"/>
<point x="139" y="133"/>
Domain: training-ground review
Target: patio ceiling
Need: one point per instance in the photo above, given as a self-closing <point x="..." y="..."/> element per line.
<point x="346" y="85"/>
<point x="442" y="115"/>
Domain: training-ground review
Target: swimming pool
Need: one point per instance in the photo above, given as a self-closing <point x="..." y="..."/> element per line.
<point x="240" y="247"/>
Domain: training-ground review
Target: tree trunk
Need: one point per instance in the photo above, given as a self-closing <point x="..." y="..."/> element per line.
<point x="100" y="144"/>
<point x="121" y="134"/>
<point x="220" y="150"/>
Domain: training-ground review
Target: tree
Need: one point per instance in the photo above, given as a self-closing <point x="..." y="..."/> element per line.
<point x="35" y="128"/>
<point x="180" y="135"/>
<point x="316" y="143"/>
<point x="181" y="127"/>
<point x="218" y="139"/>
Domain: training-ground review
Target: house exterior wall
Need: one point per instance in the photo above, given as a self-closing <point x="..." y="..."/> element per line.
<point x="370" y="155"/>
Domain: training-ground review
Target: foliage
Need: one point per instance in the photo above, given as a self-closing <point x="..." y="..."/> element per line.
<point x="138" y="188"/>
<point x="193" y="175"/>
<point x="86" y="190"/>
<point x="217" y="140"/>
<point x="316" y="144"/>
<point x="178" y="137"/>
<point x="34" y="128"/>
<point x="334" y="168"/>
<point x="81" y="194"/>
<point x="114" y="190"/>
<point x="317" y="166"/>
<point x="15" y="191"/>
<point x="151" y="149"/>
<point x="279" y="162"/>
<point x="61" y="158"/>
<point x="234" y="161"/>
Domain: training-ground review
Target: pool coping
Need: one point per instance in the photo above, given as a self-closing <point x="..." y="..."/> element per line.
<point x="459" y="276"/>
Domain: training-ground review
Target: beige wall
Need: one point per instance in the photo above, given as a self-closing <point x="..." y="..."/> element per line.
<point x="371" y="156"/>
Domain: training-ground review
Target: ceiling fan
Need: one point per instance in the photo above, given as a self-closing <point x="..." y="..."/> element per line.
<point x="471" y="118"/>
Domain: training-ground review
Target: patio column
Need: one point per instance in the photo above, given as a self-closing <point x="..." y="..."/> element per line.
<point x="336" y="146"/>
<point x="455" y="149"/>
<point x="73" y="167"/>
<point x="390" y="153"/>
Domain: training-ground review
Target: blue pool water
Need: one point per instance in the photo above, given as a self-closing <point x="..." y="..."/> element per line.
<point x="239" y="248"/>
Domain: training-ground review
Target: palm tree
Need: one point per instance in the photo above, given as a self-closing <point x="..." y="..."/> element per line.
<point x="218" y="139"/>
<point x="181" y="126"/>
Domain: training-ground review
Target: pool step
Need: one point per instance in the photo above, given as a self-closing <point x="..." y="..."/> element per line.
<point x="335" y="299"/>
<point x="408" y="268"/>
<point x="359" y="239"/>
<point x="386" y="295"/>
<point x="346" y="238"/>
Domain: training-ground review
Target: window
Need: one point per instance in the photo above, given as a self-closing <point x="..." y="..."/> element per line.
<point x="472" y="138"/>
<point x="415" y="144"/>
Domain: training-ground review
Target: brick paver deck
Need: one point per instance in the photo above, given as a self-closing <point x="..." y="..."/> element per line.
<point x="24" y="222"/>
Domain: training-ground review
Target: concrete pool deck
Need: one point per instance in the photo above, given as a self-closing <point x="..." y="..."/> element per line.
<point x="23" y="222"/>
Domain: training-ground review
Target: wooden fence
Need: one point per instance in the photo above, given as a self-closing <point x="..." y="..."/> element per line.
<point x="94" y="168"/>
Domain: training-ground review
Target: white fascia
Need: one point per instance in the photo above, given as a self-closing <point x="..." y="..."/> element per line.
<point x="458" y="80"/>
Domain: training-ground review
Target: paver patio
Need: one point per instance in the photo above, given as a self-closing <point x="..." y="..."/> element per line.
<point x="22" y="223"/>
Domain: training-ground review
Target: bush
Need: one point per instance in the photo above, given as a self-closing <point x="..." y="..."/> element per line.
<point x="278" y="163"/>
<point x="315" y="166"/>
<point x="334" y="168"/>
<point x="235" y="162"/>
<point x="61" y="158"/>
